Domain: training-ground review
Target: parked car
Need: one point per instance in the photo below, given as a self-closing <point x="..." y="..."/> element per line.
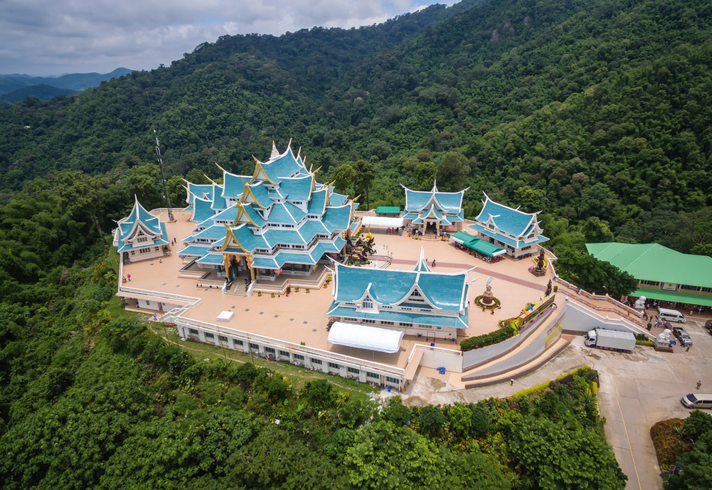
<point x="682" y="335"/>
<point x="697" y="400"/>
<point x="708" y="325"/>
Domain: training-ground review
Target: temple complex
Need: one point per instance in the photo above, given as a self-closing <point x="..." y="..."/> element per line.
<point x="513" y="230"/>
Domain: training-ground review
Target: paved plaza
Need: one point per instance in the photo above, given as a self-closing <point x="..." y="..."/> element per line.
<point x="301" y="316"/>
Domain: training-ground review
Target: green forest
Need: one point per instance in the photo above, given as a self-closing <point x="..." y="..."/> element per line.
<point x="596" y="113"/>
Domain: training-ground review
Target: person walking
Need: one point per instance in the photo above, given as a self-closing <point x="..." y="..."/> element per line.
<point x="699" y="383"/>
<point x="511" y="382"/>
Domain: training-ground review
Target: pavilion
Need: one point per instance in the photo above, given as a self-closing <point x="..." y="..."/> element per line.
<point x="511" y="229"/>
<point x="417" y="302"/>
<point x="663" y="274"/>
<point x="140" y="236"/>
<point x="433" y="210"/>
<point x="277" y="221"/>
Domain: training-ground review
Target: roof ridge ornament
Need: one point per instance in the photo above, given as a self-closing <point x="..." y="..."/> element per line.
<point x="435" y="186"/>
<point x="275" y="152"/>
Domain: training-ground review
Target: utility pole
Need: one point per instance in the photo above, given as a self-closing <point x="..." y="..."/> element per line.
<point x="163" y="178"/>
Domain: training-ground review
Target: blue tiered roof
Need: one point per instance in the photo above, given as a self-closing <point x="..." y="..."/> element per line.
<point x="510" y="226"/>
<point x="140" y="220"/>
<point x="445" y="295"/>
<point x="281" y="215"/>
<point x="445" y="207"/>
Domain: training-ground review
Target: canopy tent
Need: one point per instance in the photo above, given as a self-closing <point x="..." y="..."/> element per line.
<point x="480" y="246"/>
<point x="486" y="248"/>
<point x="362" y="337"/>
<point x="381" y="221"/>
<point x="462" y="238"/>
<point x="388" y="210"/>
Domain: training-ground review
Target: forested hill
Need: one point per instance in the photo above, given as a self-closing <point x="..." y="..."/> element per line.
<point x="595" y="111"/>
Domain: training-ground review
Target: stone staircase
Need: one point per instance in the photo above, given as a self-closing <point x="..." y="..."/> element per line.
<point x="526" y="356"/>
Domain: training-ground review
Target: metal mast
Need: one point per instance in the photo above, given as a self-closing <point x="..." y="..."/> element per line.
<point x="163" y="178"/>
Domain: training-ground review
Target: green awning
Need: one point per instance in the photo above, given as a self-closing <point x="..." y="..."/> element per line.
<point x="462" y="238"/>
<point x="481" y="246"/>
<point x="486" y="248"/>
<point x="387" y="210"/>
<point x="659" y="294"/>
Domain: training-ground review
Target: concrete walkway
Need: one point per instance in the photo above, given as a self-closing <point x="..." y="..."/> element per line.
<point x="637" y="390"/>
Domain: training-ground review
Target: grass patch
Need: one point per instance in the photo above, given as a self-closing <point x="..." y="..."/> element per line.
<point x="298" y="376"/>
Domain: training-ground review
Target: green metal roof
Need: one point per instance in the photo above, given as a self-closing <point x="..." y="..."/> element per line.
<point x="653" y="262"/>
<point x="476" y="244"/>
<point x="661" y="295"/>
<point x="484" y="247"/>
<point x="388" y="210"/>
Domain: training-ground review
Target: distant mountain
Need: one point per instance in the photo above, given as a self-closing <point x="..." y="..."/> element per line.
<point x="72" y="81"/>
<point x="41" y="91"/>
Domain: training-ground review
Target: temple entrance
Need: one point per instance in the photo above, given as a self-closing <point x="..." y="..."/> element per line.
<point x="431" y="227"/>
<point x="234" y="268"/>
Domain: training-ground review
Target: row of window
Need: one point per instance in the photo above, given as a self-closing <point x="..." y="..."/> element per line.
<point x="686" y="287"/>
<point x="297" y="357"/>
<point x="386" y="322"/>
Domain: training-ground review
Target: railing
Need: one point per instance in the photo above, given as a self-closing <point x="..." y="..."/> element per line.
<point x="386" y="259"/>
<point x="588" y="295"/>
<point x="271" y="342"/>
<point x="603" y="308"/>
<point x="159" y="295"/>
<point x="423" y="347"/>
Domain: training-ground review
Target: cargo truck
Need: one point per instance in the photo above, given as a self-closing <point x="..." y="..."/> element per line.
<point x="610" y="340"/>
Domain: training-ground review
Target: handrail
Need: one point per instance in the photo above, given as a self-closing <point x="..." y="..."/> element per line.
<point x="282" y="343"/>
<point x="607" y="298"/>
<point x="158" y="294"/>
<point x="603" y="308"/>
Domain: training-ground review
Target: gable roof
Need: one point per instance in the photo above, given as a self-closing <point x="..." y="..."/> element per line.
<point x="297" y="188"/>
<point x="140" y="221"/>
<point x="233" y="184"/>
<point x="390" y="286"/>
<point x="509" y="220"/>
<point x="417" y="201"/>
<point x="653" y="262"/>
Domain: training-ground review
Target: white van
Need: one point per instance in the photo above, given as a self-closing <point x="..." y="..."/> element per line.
<point x="671" y="315"/>
<point x="697" y="400"/>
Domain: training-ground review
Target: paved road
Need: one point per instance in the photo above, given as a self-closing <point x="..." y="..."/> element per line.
<point x="637" y="390"/>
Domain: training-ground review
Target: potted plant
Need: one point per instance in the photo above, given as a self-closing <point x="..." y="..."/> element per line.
<point x="307" y="290"/>
<point x="272" y="294"/>
<point x="296" y="289"/>
<point x="556" y="288"/>
<point x="259" y="293"/>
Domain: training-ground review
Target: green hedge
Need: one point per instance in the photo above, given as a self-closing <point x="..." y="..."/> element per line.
<point x="487" y="339"/>
<point x="546" y="384"/>
<point x="533" y="389"/>
<point x="578" y="371"/>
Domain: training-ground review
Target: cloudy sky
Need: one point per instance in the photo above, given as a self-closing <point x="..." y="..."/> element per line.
<point x="51" y="37"/>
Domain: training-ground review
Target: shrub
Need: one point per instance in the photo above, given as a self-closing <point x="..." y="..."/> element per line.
<point x="533" y="389"/>
<point x="487" y="339"/>
<point x="668" y="445"/>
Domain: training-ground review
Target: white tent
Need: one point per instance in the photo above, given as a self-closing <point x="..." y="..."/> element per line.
<point x="380" y="221"/>
<point x="362" y="337"/>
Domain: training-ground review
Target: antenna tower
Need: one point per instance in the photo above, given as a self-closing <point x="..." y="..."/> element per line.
<point x="163" y="178"/>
